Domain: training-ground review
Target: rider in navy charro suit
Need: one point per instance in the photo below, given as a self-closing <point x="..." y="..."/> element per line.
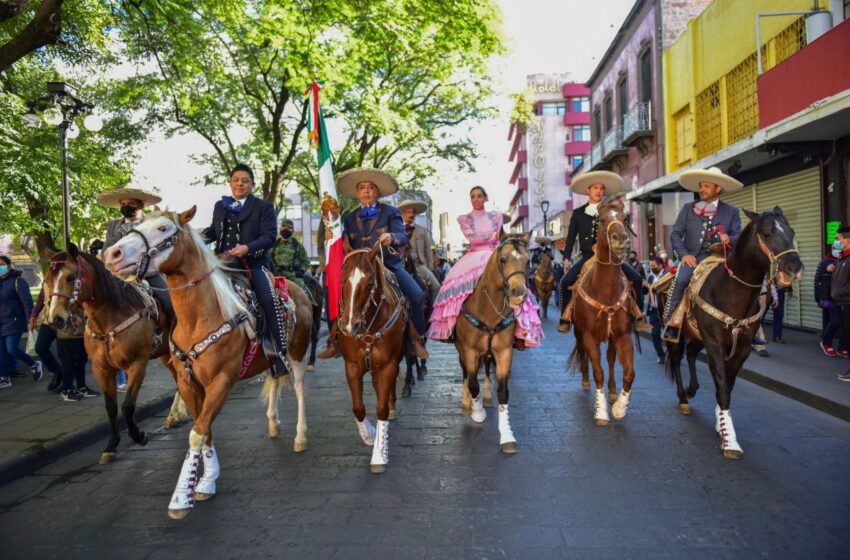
<point x="244" y="227"/>
<point x="373" y="223"/>
<point x="699" y="225"/>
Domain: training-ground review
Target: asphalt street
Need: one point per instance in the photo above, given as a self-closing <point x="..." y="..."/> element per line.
<point x="654" y="485"/>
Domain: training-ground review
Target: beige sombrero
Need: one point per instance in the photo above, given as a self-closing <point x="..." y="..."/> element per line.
<point x="613" y="182"/>
<point x="347" y="182"/>
<point x="417" y="205"/>
<point x="691" y="179"/>
<point x="112" y="199"/>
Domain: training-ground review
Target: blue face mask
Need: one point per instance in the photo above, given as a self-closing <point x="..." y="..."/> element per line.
<point x="3" y="269"/>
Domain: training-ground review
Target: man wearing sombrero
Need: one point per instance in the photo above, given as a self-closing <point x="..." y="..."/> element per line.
<point x="584" y="225"/>
<point x="373" y="223"/>
<point x="699" y="225"/>
<point x="419" y="246"/>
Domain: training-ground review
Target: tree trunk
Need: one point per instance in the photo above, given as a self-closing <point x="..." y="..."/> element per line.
<point x="43" y="29"/>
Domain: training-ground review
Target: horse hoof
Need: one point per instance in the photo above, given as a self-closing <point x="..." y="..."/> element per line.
<point x="601" y="422"/>
<point x="692" y="392"/>
<point x="300" y="446"/>
<point x="179" y="513"/>
<point x="685" y="409"/>
<point x="377" y="469"/>
<point x="405" y="392"/>
<point x="202" y="497"/>
<point x="107" y="457"/>
<point x="733" y="453"/>
<point x="274" y="431"/>
<point x="311" y="367"/>
<point x="585" y="385"/>
<point x="612" y="398"/>
<point x="169" y="423"/>
<point x="423" y="372"/>
<point x="144" y="440"/>
<point x="509" y="447"/>
<point x="393" y="415"/>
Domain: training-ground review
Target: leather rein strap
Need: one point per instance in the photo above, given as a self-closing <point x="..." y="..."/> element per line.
<point x="737" y="326"/>
<point x="609" y="310"/>
<point x="187" y="358"/>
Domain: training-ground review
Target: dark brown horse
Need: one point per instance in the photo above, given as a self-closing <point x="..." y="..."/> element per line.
<point x="371" y="339"/>
<point x="725" y="315"/>
<point x="120" y="332"/>
<point x="214" y="343"/>
<point x="603" y="312"/>
<point x="485" y="330"/>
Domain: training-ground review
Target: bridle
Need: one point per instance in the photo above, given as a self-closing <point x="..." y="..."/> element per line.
<point x="772" y="257"/>
<point x="151" y="252"/>
<point x="621" y="256"/>
<point x="516" y="242"/>
<point x="74" y="298"/>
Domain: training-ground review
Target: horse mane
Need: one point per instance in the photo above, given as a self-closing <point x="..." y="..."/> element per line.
<point x="228" y="302"/>
<point x="112" y="289"/>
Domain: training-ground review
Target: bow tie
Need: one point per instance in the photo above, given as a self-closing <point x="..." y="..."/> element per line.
<point x="368" y="212"/>
<point x="231" y="204"/>
<point x="703" y="208"/>
<point x="408" y="229"/>
<point x="592" y="210"/>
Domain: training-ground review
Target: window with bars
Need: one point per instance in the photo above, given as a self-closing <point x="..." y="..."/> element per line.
<point x="622" y="99"/>
<point x="708" y="121"/>
<point x="683" y="133"/>
<point x="608" y="107"/>
<point x="790" y="40"/>
<point x="741" y="99"/>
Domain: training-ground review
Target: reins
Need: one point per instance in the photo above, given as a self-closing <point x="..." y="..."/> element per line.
<point x="773" y="271"/>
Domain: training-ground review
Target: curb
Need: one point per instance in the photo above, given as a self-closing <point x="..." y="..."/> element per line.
<point x="840" y="411"/>
<point x="46" y="453"/>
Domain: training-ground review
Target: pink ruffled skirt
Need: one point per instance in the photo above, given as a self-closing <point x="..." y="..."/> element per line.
<point x="459" y="283"/>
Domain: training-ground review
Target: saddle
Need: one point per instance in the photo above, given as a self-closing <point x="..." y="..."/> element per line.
<point x="682" y="313"/>
<point x="627" y="300"/>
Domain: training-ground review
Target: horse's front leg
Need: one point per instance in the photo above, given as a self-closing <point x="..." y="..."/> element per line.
<point x="725" y="428"/>
<point x="271" y="392"/>
<point x="504" y="360"/>
<point x="135" y="377"/>
<point x="383" y="381"/>
<point x="611" y="355"/>
<point x="486" y="389"/>
<point x="470" y="362"/>
<point x="354" y="376"/>
<point x="392" y="391"/>
<point x="183" y="498"/>
<point x="105" y="377"/>
<point x="625" y="351"/>
<point x="693" y="349"/>
<point x="674" y="362"/>
<point x="300" y="372"/>
<point x="409" y="382"/>
<point x="600" y="408"/>
<point x="465" y="397"/>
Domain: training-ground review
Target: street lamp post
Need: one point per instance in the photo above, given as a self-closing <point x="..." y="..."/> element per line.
<point x="60" y="108"/>
<point x="544" y="206"/>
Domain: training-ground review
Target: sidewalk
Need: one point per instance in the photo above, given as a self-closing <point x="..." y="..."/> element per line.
<point x="798" y="370"/>
<point x="38" y="428"/>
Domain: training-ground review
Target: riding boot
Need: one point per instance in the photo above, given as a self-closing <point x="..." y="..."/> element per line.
<point x="331" y="350"/>
<point x="564" y="324"/>
<point x="418" y="343"/>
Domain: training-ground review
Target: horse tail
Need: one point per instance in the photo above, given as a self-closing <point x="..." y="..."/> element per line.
<point x="668" y="359"/>
<point x="273" y="387"/>
<point x="577" y="356"/>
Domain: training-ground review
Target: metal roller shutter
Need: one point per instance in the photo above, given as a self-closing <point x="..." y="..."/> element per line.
<point x="799" y="196"/>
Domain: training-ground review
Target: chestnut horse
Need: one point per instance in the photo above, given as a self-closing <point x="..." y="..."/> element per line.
<point x="544" y="283"/>
<point x="214" y="340"/>
<point x="485" y="330"/>
<point x="372" y="322"/>
<point x="726" y="313"/>
<point x="120" y="333"/>
<point x="602" y="309"/>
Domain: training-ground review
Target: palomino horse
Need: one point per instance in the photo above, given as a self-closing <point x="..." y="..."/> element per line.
<point x="214" y="339"/>
<point x="544" y="283"/>
<point x="372" y="324"/>
<point x="120" y="333"/>
<point x="602" y="312"/>
<point x="485" y="330"/>
<point x="724" y="314"/>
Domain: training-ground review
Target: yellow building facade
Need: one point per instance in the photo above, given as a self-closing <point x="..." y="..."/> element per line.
<point x="710" y="96"/>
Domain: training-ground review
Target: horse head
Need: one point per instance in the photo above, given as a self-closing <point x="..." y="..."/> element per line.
<point x="775" y="238"/>
<point x="360" y="279"/>
<point x="67" y="283"/>
<point x="512" y="260"/>
<point x="154" y="246"/>
<point x="613" y="232"/>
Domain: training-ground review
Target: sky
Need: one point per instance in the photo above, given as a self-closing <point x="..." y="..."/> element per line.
<point x="544" y="36"/>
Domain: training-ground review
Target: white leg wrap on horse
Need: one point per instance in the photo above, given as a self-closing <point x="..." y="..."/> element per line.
<point x="381" y="449"/>
<point x="478" y="412"/>
<point x="717" y="418"/>
<point x="600" y="407"/>
<point x="728" y="438"/>
<point x="621" y="406"/>
<point x="367" y="432"/>
<point x="184" y="493"/>
<point x="506" y="435"/>
<point x="206" y="485"/>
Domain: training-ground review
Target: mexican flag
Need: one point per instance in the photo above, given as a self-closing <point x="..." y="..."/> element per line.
<point x="317" y="134"/>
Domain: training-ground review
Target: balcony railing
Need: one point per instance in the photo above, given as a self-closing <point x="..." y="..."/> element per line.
<point x="637" y="122"/>
<point x="596" y="155"/>
<point x="612" y="143"/>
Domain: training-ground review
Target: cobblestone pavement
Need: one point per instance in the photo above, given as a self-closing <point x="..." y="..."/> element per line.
<point x="652" y="486"/>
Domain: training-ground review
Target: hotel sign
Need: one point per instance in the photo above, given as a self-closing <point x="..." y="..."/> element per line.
<point x="547" y="86"/>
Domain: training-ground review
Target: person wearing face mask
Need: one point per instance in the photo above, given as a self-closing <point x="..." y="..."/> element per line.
<point x="15" y="308"/>
<point x="583" y="228"/>
<point x="840" y="292"/>
<point x="289" y="256"/>
<point x="822" y="284"/>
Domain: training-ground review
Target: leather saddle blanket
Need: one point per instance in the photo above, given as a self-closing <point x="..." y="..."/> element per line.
<point x="683" y="311"/>
<point x="627" y="298"/>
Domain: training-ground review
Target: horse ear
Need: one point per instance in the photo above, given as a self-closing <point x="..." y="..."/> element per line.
<point x="778" y="211"/>
<point x="373" y="253"/>
<point x="48" y="253"/>
<point x="526" y="238"/>
<point x="501" y="234"/>
<point x="753" y="216"/>
<point x="73" y="250"/>
<point x="186" y="217"/>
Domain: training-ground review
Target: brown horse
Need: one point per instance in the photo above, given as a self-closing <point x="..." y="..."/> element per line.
<point x="724" y="315"/>
<point x="485" y="330"/>
<point x="214" y="339"/>
<point x="120" y="333"/>
<point x="371" y="339"/>
<point x="602" y="311"/>
<point x="544" y="283"/>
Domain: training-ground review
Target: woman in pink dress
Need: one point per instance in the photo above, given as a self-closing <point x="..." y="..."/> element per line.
<point x="481" y="228"/>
